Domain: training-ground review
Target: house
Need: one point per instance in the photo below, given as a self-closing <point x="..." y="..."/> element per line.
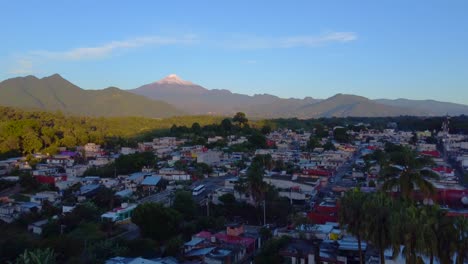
<point x="68" y="208"/>
<point x="92" y="150"/>
<point x="214" y="139"/>
<point x="135" y="179"/>
<point x="76" y="170"/>
<point x="308" y="231"/>
<point x="63" y="185"/>
<point x="317" y="172"/>
<point x="100" y="161"/>
<point x="9" y="213"/>
<point x="165" y="141"/>
<point x="60" y="160"/>
<point x="4" y="168"/>
<point x="127" y="151"/>
<point x="89" y="190"/>
<point x="326" y="211"/>
<point x="299" y="251"/>
<point x="172" y="174"/>
<point x="209" y="157"/>
<point x="225" y="254"/>
<point x="42" y="197"/>
<point x="234" y="235"/>
<point x="28" y="207"/>
<point x="49" y="176"/>
<point x="109" y="182"/>
<point x="38" y="226"/>
<point x="120" y="214"/>
<point x="92" y="147"/>
<point x="234" y="245"/>
<point x="199" y="254"/>
<point x="150" y="183"/>
<point x="124" y="193"/>
<point x="90" y="180"/>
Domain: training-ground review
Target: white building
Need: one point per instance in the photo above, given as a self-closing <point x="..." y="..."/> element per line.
<point x="209" y="157"/>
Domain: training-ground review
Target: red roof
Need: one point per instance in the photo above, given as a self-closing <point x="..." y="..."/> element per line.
<point x="204" y="234"/>
<point x="442" y="169"/>
<point x="270" y="143"/>
<point x="246" y="241"/>
<point x="431" y="153"/>
<point x="317" y="172"/>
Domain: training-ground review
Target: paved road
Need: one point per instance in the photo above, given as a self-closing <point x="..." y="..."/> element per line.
<point x="160" y="197"/>
<point x="338" y="177"/>
<point x="133" y="232"/>
<point x="211" y="184"/>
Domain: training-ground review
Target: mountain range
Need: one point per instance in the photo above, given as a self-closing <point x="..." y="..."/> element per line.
<point x="173" y="96"/>
<point x="55" y="93"/>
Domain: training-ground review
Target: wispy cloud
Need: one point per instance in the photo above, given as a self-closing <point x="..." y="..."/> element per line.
<point x="22" y="67"/>
<point x="255" y="42"/>
<point x="27" y="62"/>
<point x="107" y="49"/>
<point x="318" y="40"/>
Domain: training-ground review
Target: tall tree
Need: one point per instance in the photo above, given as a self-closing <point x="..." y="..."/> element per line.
<point x="352" y="215"/>
<point x="184" y="204"/>
<point x="156" y="221"/>
<point x="429" y="230"/>
<point x="226" y="124"/>
<point x="461" y="238"/>
<point x="407" y="224"/>
<point x="340" y="134"/>
<point x="378" y="209"/>
<point x="406" y="171"/>
<point x="240" y="118"/>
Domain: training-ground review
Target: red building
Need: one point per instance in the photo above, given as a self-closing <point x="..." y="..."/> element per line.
<point x="317" y="172"/>
<point x="324" y="212"/>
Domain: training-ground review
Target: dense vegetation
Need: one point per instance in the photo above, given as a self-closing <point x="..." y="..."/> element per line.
<point x="399" y="221"/>
<point x="23" y="132"/>
<point x="387" y="222"/>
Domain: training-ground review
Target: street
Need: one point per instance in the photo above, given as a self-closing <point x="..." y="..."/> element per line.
<point x="211" y="184"/>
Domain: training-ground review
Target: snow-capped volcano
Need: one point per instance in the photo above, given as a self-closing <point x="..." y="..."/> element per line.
<point x="173" y="79"/>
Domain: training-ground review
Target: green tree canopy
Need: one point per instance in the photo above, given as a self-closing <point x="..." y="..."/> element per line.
<point x="184" y="204"/>
<point x="156" y="221"/>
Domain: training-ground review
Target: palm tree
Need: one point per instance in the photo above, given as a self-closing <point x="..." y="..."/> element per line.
<point x="407" y="223"/>
<point x="378" y="209"/>
<point x="430" y="229"/>
<point x="352" y="215"/>
<point x="446" y="237"/>
<point x="37" y="256"/>
<point x="461" y="231"/>
<point x="406" y="171"/>
<point x="253" y="184"/>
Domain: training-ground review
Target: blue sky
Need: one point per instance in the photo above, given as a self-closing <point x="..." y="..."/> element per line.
<point x="378" y="49"/>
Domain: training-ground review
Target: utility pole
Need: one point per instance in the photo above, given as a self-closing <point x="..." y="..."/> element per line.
<point x="208" y="205"/>
<point x="264" y="212"/>
<point x="290" y="195"/>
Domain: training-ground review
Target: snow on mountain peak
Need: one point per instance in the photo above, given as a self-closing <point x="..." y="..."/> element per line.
<point x="173" y="79"/>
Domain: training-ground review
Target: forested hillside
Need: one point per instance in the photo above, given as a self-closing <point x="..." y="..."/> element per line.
<point x="27" y="132"/>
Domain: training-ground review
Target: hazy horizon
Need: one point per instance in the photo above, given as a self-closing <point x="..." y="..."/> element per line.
<point x="414" y="50"/>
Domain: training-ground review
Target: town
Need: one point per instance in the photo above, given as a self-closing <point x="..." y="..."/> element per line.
<point x="230" y="193"/>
